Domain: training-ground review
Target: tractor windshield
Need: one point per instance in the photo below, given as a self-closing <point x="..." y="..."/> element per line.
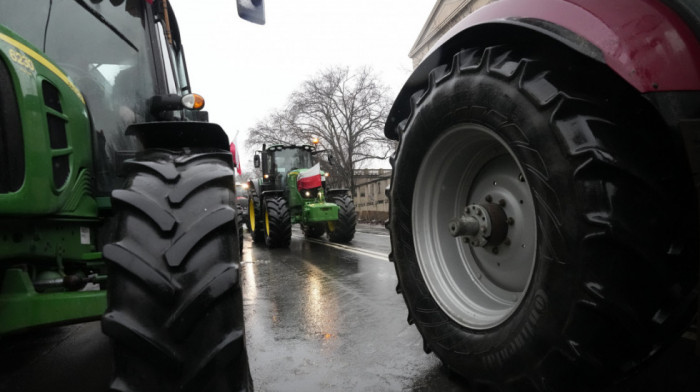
<point x="288" y="159"/>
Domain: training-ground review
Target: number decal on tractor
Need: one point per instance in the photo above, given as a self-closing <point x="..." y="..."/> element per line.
<point x="22" y="60"/>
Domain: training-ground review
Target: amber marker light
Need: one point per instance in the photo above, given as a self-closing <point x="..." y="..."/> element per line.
<point x="193" y="101"/>
<point x="314" y="141"/>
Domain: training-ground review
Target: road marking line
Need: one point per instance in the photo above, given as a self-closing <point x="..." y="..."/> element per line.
<point x="364" y="252"/>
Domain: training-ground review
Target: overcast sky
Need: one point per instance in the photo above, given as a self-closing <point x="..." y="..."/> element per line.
<point x="245" y="71"/>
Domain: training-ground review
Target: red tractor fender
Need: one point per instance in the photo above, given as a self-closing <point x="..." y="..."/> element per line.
<point x="643" y="41"/>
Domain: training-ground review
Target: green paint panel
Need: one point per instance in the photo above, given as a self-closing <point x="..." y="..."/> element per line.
<point x="320" y="212"/>
<point x="57" y="135"/>
<point x="35" y="239"/>
<point x="22" y="307"/>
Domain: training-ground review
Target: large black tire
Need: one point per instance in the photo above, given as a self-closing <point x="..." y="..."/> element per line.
<point x="591" y="262"/>
<point x="342" y="230"/>
<point x="175" y="314"/>
<point x="256" y="221"/>
<point x="314" y="230"/>
<point x="278" y="222"/>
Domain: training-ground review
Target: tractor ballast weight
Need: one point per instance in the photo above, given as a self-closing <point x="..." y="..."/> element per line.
<point x="293" y="190"/>
<point x="523" y="163"/>
<point x="105" y="168"/>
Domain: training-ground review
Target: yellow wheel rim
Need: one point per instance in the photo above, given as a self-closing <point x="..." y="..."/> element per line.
<point x="251" y="214"/>
<point x="267" y="223"/>
<point x="331" y="226"/>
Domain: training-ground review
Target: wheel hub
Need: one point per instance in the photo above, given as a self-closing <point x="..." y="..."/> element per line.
<point x="480" y="225"/>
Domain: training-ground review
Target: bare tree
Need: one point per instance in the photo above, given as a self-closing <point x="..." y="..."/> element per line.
<point x="345" y="110"/>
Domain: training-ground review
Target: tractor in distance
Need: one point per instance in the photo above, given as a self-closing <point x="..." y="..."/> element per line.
<point x="293" y="190"/>
<point x="110" y="176"/>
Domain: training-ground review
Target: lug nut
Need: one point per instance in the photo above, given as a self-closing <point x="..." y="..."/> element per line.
<point x="510" y="221"/>
<point x="489" y="198"/>
<point x="502" y="203"/>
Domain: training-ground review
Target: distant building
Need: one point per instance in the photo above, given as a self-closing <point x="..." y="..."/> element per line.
<point x="370" y="198"/>
<point x="445" y="14"/>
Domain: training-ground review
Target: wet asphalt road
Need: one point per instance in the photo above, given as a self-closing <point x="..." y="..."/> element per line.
<point x="326" y="317"/>
<point x="319" y="317"/>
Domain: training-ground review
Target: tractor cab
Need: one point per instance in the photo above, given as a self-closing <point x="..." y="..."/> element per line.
<point x="280" y="160"/>
<point x="123" y="59"/>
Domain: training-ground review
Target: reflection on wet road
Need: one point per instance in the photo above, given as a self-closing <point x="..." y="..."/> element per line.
<point x="323" y="316"/>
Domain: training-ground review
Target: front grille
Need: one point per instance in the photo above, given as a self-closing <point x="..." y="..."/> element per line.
<point x="56" y="126"/>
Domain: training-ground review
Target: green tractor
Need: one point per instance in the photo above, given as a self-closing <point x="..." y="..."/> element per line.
<point x="293" y="190"/>
<point x="116" y="193"/>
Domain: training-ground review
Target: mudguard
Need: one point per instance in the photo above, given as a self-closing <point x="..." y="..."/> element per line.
<point x="274" y="192"/>
<point x="176" y="135"/>
<point x="640" y="40"/>
<point x="341" y="191"/>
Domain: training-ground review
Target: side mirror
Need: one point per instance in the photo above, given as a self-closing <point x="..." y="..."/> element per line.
<point x="330" y="159"/>
<point x="252" y="10"/>
<point x="256" y="161"/>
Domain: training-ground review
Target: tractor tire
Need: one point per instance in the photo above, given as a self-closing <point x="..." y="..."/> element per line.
<point x="589" y="261"/>
<point x="342" y="230"/>
<point x="314" y="230"/>
<point x="175" y="313"/>
<point x="256" y="221"/>
<point x="278" y="222"/>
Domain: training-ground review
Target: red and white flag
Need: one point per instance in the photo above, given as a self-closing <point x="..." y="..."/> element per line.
<point x="310" y="179"/>
<point x="236" y="159"/>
